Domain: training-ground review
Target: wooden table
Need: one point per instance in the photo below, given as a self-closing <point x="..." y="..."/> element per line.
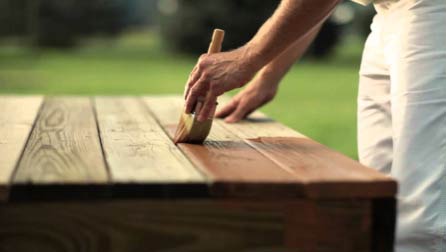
<point x="101" y="174"/>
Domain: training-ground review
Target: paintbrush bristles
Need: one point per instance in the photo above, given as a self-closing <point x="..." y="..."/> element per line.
<point x="189" y="130"/>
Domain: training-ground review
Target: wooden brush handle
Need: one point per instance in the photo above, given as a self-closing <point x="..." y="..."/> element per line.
<point x="217" y="40"/>
<point x="214" y="47"/>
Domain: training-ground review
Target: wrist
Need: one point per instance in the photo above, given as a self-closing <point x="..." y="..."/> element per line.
<point x="254" y="57"/>
<point x="270" y="75"/>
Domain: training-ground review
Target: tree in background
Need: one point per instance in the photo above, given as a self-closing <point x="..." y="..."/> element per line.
<point x="60" y="23"/>
<point x="187" y="25"/>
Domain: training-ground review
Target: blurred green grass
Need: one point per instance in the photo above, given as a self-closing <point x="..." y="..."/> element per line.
<point x="317" y="98"/>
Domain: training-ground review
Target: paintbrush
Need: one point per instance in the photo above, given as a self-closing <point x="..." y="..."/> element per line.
<point x="189" y="130"/>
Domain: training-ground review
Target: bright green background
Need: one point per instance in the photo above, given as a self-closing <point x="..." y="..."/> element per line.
<point x="317" y="98"/>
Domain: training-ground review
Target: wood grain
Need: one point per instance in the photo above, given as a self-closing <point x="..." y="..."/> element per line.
<point x="324" y="172"/>
<point x="167" y="108"/>
<point x="257" y="125"/>
<point x="329" y="225"/>
<point x="188" y="226"/>
<point x="124" y="226"/>
<point x="64" y="146"/>
<point x="315" y="170"/>
<point x="17" y="115"/>
<point x="234" y="167"/>
<point x="136" y="147"/>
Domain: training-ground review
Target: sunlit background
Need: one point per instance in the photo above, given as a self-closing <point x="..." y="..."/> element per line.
<point x="139" y="47"/>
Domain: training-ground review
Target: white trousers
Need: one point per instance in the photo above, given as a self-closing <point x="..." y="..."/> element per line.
<point x="402" y="115"/>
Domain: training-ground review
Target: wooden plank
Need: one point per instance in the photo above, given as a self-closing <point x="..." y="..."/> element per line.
<point x="188" y="225"/>
<point x="64" y="146"/>
<point x="122" y="226"/>
<point x="17" y="115"/>
<point x="316" y="170"/>
<point x="329" y="226"/>
<point x="167" y="108"/>
<point x="235" y="168"/>
<point x="257" y="125"/>
<point x="325" y="173"/>
<point x="136" y="147"/>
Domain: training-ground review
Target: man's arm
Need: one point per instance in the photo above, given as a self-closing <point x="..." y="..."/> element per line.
<point x="292" y="20"/>
<point x="217" y="73"/>
<point x="280" y="65"/>
<point x="263" y="87"/>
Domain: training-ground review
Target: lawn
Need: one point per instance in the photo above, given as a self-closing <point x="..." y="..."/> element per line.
<point x="317" y="98"/>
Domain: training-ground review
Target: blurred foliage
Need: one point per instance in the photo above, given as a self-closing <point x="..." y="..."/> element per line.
<point x="60" y="23"/>
<point x="186" y="25"/>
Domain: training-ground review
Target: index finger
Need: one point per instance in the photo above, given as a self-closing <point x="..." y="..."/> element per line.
<point x="198" y="90"/>
<point x="193" y="77"/>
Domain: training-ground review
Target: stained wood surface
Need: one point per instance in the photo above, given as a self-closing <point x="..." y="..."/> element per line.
<point x="17" y="115"/>
<point x="64" y="146"/>
<point x="231" y="153"/>
<point x="233" y="166"/>
<point x="324" y="172"/>
<point x="136" y="147"/>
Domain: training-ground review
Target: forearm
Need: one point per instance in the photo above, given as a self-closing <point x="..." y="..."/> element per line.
<point x="279" y="66"/>
<point x="292" y="20"/>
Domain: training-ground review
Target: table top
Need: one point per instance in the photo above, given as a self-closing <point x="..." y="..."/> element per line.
<point x="113" y="147"/>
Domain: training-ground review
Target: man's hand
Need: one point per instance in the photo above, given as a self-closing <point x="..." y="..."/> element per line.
<point x="259" y="92"/>
<point x="215" y="74"/>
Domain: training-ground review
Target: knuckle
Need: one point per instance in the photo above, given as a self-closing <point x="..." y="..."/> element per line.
<point x="205" y="75"/>
<point x="216" y="89"/>
<point x="194" y="91"/>
<point x="212" y="91"/>
<point x="202" y="61"/>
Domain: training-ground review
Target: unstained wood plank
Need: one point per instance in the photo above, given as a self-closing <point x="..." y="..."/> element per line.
<point x="136" y="147"/>
<point x="64" y="146"/>
<point x="17" y="115"/>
